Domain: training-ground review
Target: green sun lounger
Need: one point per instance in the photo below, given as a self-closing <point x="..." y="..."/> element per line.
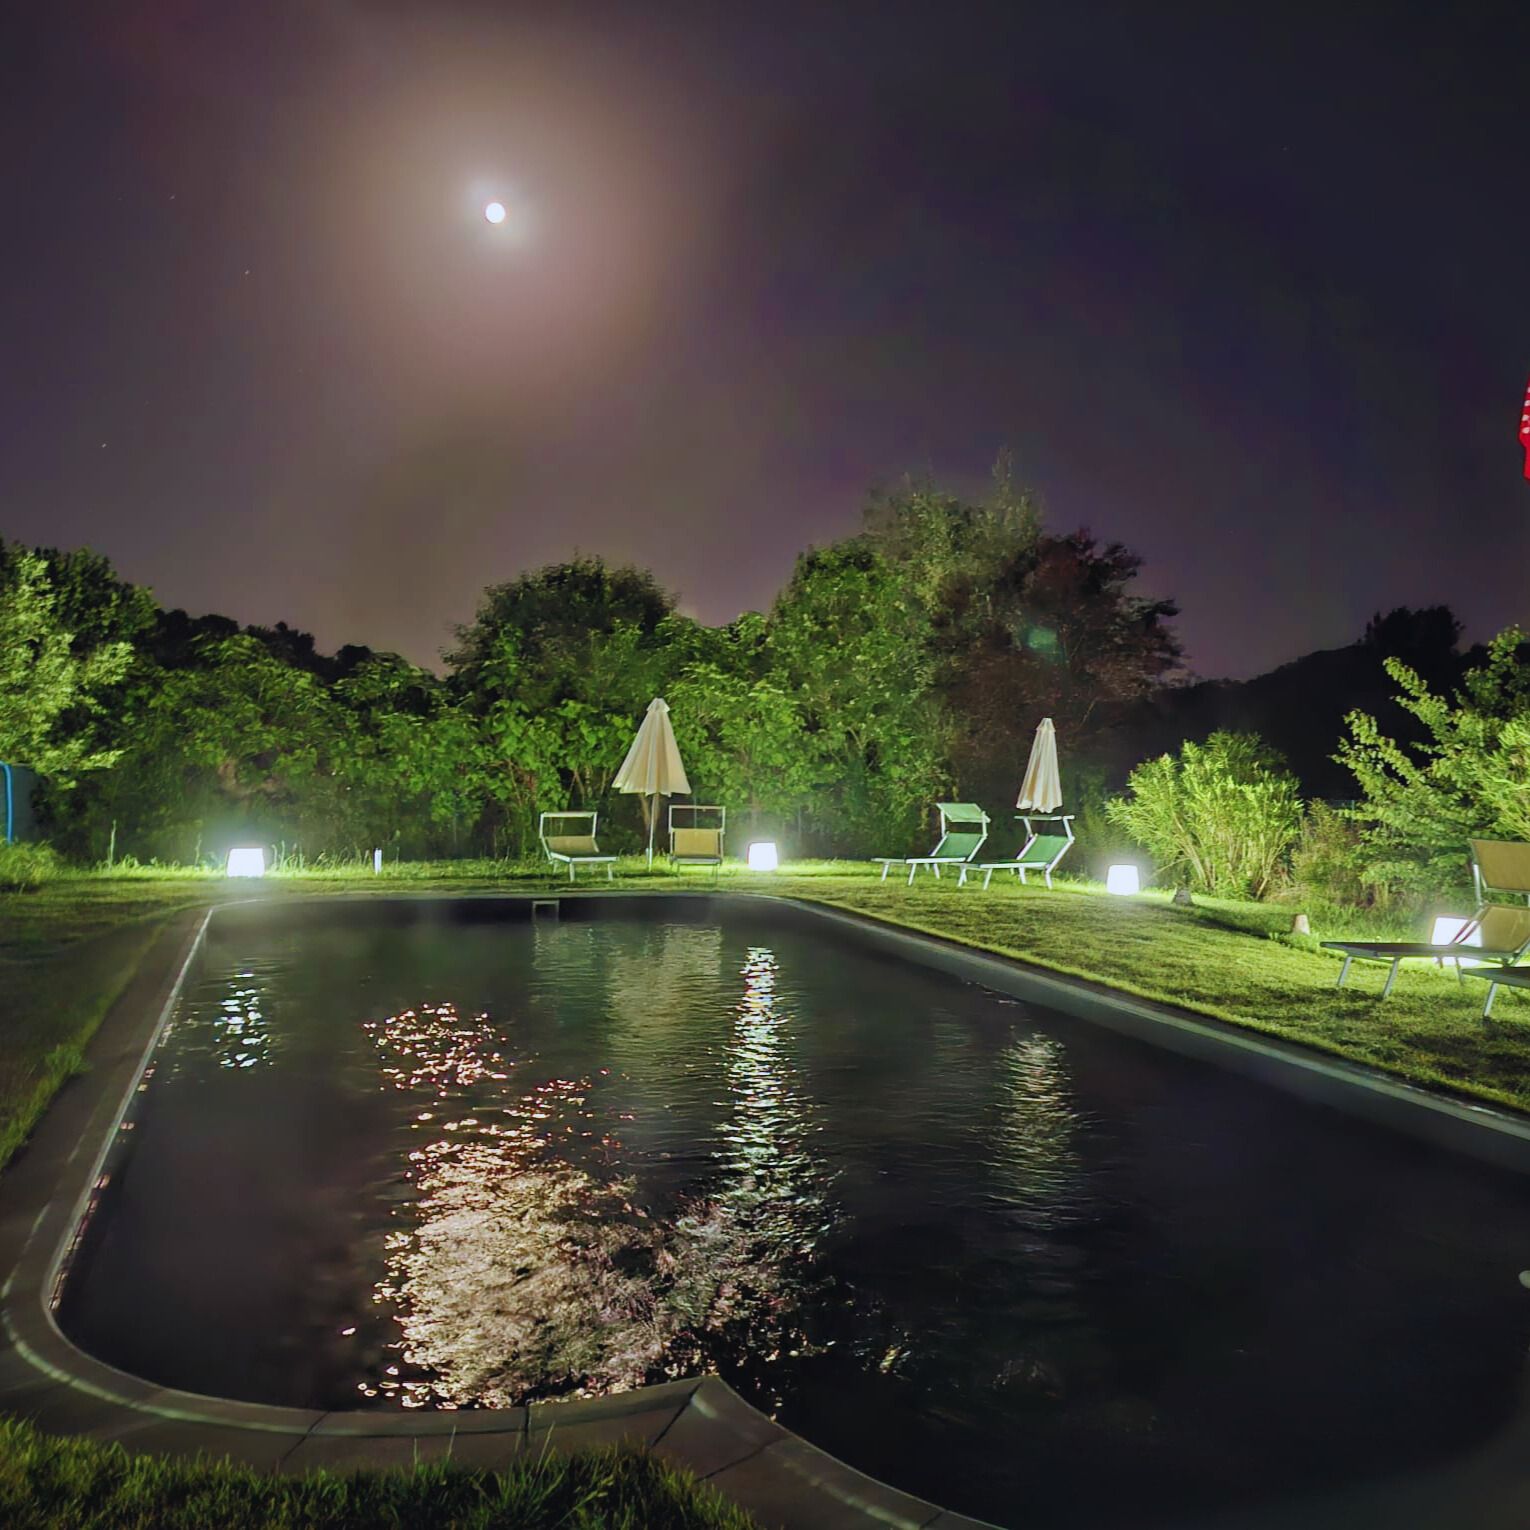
<point x="1043" y="848"/>
<point x="1497" y="932"/>
<point x="963" y="832"/>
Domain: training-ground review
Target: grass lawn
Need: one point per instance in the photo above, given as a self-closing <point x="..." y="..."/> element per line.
<point x="1234" y="961"/>
<point x="80" y="1485"/>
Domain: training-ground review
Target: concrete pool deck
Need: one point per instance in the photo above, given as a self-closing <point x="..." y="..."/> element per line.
<point x="699" y="1424"/>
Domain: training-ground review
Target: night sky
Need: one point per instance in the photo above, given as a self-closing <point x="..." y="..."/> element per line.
<point x="1247" y="288"/>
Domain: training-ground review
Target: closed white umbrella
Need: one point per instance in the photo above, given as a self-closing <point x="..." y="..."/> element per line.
<point x="1041" y="791"/>
<point x="652" y="768"/>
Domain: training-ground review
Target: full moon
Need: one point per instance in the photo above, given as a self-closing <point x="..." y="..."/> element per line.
<point x="495" y="212"/>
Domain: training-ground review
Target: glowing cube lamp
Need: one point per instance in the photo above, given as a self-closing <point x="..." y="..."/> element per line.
<point x="1448" y="926"/>
<point x="1123" y="879"/>
<point x="762" y="856"/>
<point x="247" y="863"/>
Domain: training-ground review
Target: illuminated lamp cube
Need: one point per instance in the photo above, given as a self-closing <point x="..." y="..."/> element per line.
<point x="762" y="856"/>
<point x="1123" y="880"/>
<point x="247" y="862"/>
<point x="1448" y="926"/>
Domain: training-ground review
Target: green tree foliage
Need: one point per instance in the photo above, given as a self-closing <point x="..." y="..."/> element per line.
<point x="1329" y="865"/>
<point x="851" y="645"/>
<point x="895" y="666"/>
<point x="1055" y="633"/>
<point x="555" y="616"/>
<point x="559" y="667"/>
<point x="1020" y="624"/>
<point x="412" y="767"/>
<point x="1221" y="817"/>
<point x="92" y="603"/>
<point x="50" y="682"/>
<point x="1469" y="778"/>
<point x="740" y="731"/>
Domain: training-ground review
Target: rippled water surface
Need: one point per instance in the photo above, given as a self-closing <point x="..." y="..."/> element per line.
<point x="428" y="1156"/>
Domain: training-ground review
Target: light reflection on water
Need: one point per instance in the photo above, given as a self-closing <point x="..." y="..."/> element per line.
<point x="1040" y="1177"/>
<point x="526" y="1265"/>
<point x="232" y="1028"/>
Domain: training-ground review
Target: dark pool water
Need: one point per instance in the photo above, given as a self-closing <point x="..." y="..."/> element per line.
<point x="421" y="1156"/>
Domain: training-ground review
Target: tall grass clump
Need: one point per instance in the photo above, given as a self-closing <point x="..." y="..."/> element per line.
<point x="24" y="868"/>
<point x="48" y="1483"/>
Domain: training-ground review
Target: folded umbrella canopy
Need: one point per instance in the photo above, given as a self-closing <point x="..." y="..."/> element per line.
<point x="652" y="768"/>
<point x="1041" y="791"/>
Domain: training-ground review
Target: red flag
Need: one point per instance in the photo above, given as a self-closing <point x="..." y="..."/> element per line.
<point x="1524" y="429"/>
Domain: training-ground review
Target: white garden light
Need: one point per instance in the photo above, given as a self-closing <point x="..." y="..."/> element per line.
<point x="247" y="862"/>
<point x="1447" y="930"/>
<point x="1123" y="880"/>
<point x="762" y="856"/>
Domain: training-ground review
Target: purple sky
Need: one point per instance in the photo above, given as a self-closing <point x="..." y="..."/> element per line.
<point x="1246" y="291"/>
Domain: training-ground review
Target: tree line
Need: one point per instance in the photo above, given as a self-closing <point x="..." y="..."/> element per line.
<point x="899" y="665"/>
<point x="903" y="664"/>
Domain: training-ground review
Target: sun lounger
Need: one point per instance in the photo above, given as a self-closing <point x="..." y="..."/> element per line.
<point x="1496" y="978"/>
<point x="1497" y="932"/>
<point x="572" y="841"/>
<point x="963" y="832"/>
<point x="696" y="835"/>
<point x="1042" y="850"/>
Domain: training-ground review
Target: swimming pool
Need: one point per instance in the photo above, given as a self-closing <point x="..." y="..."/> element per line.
<point x="437" y="1154"/>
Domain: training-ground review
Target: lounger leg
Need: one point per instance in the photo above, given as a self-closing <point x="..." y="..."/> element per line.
<point x="886" y="867"/>
<point x="1048" y="875"/>
<point x="1344" y="971"/>
<point x="571" y="871"/>
<point x="987" y="878"/>
<point x="1391" y="978"/>
<point x="936" y="870"/>
<point x="609" y="870"/>
<point x="1487" y="1008"/>
<point x="911" y="871"/>
<point x="961" y="876"/>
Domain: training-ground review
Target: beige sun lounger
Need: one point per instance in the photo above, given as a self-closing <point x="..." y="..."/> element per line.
<point x="1497" y="932"/>
<point x="572" y="841"/>
<point x="693" y="842"/>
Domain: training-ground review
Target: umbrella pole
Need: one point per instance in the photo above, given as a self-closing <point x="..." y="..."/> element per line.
<point x="653" y="818"/>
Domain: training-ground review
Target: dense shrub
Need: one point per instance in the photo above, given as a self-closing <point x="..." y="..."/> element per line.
<point x="25" y="867"/>
<point x="1329" y="866"/>
<point x="1469" y="779"/>
<point x="1220" y="817"/>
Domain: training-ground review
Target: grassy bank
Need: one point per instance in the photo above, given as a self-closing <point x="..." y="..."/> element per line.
<point x="1233" y="961"/>
<point x="53" y="1484"/>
